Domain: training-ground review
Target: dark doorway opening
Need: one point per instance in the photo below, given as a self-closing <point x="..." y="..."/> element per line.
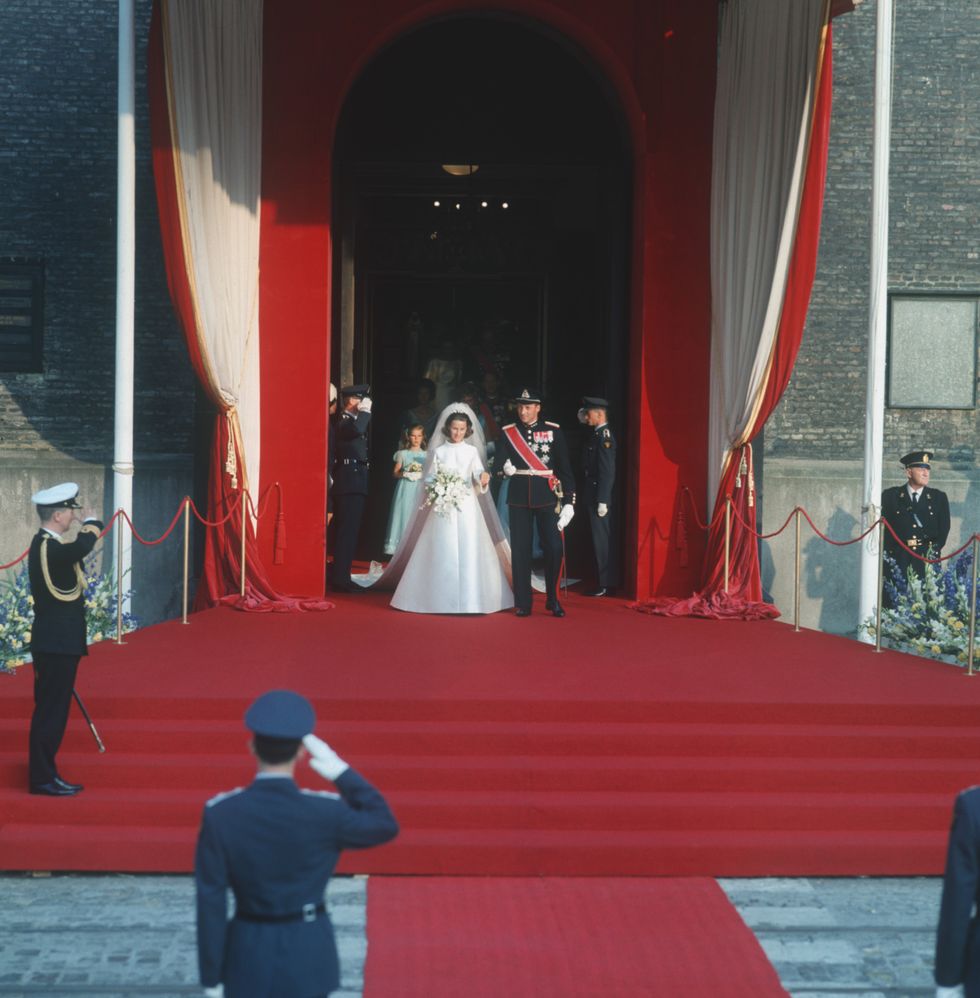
<point x="517" y="258"/>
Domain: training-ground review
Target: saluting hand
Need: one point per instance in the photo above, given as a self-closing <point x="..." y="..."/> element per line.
<point x="323" y="758"/>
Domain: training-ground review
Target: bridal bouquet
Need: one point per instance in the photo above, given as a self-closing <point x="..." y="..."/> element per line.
<point x="446" y="492"/>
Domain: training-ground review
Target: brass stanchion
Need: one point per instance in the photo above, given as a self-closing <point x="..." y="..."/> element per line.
<point x="244" y="520"/>
<point x="796" y="589"/>
<point x="973" y="610"/>
<point x="728" y="538"/>
<point x="187" y="547"/>
<point x="119" y="581"/>
<point x="881" y="582"/>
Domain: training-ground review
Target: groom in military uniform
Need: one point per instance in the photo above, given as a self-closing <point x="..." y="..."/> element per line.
<point x="533" y="454"/>
<point x="919" y="515"/>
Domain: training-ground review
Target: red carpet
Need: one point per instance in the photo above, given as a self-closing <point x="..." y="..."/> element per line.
<point x="559" y="937"/>
<point x="609" y="743"/>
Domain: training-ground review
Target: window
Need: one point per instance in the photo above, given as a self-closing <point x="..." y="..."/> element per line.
<point x="21" y="315"/>
<point x="932" y="352"/>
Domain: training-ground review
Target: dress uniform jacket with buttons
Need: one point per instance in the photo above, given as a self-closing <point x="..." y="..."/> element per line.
<point x="58" y="587"/>
<point x="349" y="465"/>
<point x="548" y="442"/>
<point x="275" y="846"/>
<point x="958" y="936"/>
<point x="599" y="458"/>
<point x="931" y="530"/>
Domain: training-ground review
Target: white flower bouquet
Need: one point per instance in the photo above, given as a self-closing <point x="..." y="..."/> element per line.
<point x="446" y="492"/>
<point x="413" y="472"/>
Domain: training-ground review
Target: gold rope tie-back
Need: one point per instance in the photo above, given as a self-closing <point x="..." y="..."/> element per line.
<point x="64" y="595"/>
<point x="743" y="469"/>
<point x="751" y="477"/>
<point x="231" y="460"/>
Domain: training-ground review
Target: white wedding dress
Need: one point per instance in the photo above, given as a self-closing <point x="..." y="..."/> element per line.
<point x="455" y="565"/>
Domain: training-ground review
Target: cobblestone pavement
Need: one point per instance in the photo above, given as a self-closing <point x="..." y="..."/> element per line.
<point x="864" y="938"/>
<point x="118" y="936"/>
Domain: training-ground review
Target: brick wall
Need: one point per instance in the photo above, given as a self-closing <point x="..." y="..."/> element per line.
<point x="934" y="233"/>
<point x="58" y="201"/>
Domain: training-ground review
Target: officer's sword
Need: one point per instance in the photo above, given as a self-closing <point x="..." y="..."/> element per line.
<point x="88" y="719"/>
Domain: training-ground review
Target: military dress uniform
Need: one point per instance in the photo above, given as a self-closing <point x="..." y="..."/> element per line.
<point x="599" y="467"/>
<point x="921" y="524"/>
<point x="275" y="847"/>
<point x="349" y="469"/>
<point x="958" y="935"/>
<point x="531" y="500"/>
<point x="58" y="635"/>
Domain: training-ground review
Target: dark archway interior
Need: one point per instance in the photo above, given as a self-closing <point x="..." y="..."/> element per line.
<point x="521" y="266"/>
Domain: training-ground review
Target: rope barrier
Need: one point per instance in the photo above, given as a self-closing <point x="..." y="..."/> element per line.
<point x="16" y="561"/>
<point x="162" y="537"/>
<point x="223" y="520"/>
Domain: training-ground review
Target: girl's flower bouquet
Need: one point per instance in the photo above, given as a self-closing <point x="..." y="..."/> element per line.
<point x="446" y="492"/>
<point x="413" y="472"/>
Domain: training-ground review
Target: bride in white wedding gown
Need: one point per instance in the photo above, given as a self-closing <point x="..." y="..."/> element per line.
<point x="457" y="559"/>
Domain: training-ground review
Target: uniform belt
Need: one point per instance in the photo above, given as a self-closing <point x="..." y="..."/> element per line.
<point x="308" y="913"/>
<point x="535" y="471"/>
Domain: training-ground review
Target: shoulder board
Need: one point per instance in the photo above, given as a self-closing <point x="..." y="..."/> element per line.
<point x="557" y="426"/>
<point x="218" y="798"/>
<point x="321" y="793"/>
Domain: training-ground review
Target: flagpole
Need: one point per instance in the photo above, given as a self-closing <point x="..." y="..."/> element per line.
<point x="874" y="423"/>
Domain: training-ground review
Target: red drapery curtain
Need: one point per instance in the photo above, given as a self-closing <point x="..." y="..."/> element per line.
<point x="221" y="577"/>
<point x="743" y="598"/>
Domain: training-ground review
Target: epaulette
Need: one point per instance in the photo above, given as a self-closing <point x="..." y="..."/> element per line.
<point x="555" y="425"/>
<point x="218" y="798"/>
<point x="320" y="793"/>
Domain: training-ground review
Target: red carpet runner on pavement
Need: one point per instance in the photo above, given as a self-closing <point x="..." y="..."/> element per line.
<point x="609" y="743"/>
<point x="555" y="938"/>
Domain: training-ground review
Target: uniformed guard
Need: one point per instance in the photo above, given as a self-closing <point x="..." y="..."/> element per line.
<point x="919" y="515"/>
<point x="58" y="634"/>
<point x="599" y="466"/>
<point x="275" y="847"/>
<point x="349" y="470"/>
<point x="534" y="455"/>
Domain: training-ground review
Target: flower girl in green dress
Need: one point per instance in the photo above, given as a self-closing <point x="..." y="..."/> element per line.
<point x="407" y="471"/>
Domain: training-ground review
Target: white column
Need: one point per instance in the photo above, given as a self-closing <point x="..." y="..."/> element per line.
<point x="874" y="423"/>
<point x="122" y="464"/>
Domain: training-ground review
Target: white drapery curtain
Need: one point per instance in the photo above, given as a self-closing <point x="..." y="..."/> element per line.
<point x="768" y="65"/>
<point x="214" y="66"/>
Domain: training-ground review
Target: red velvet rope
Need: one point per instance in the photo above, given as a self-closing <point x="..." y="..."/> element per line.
<point x="223" y="520"/>
<point x="16" y="561"/>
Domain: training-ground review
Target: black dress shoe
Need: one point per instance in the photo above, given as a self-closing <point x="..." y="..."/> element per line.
<point x="52" y="789"/>
<point x="65" y="785"/>
<point x="556" y="609"/>
<point x="521" y="612"/>
<point x="601" y="591"/>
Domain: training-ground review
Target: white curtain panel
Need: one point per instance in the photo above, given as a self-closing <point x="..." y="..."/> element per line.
<point x="768" y="64"/>
<point x="214" y="57"/>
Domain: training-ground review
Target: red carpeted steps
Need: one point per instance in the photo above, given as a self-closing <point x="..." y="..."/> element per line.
<point x="485" y="787"/>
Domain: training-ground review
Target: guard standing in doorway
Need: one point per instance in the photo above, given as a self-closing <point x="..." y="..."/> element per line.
<point x="349" y="470"/>
<point x="599" y="460"/>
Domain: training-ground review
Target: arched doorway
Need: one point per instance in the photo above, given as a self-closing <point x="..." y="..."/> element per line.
<point x="521" y="263"/>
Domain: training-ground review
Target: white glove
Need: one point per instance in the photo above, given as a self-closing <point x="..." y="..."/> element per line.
<point x="218" y="991"/>
<point x="565" y="516"/>
<point x="323" y="758"/>
<point x="412" y="476"/>
<point x="509" y="468"/>
<point x="601" y="509"/>
<point x="956" y="991"/>
<point x="364" y="405"/>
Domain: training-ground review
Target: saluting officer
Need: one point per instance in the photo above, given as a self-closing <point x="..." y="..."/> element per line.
<point x="58" y="635"/>
<point x="918" y="514"/>
<point x="534" y="455"/>
<point x="275" y="847"/>
<point x="599" y="460"/>
<point x="349" y="468"/>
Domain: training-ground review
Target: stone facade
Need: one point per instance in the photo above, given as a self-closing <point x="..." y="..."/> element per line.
<point x="814" y="442"/>
<point x="58" y="203"/>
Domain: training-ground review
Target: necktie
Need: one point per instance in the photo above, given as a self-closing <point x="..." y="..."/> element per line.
<point x="915" y="498"/>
